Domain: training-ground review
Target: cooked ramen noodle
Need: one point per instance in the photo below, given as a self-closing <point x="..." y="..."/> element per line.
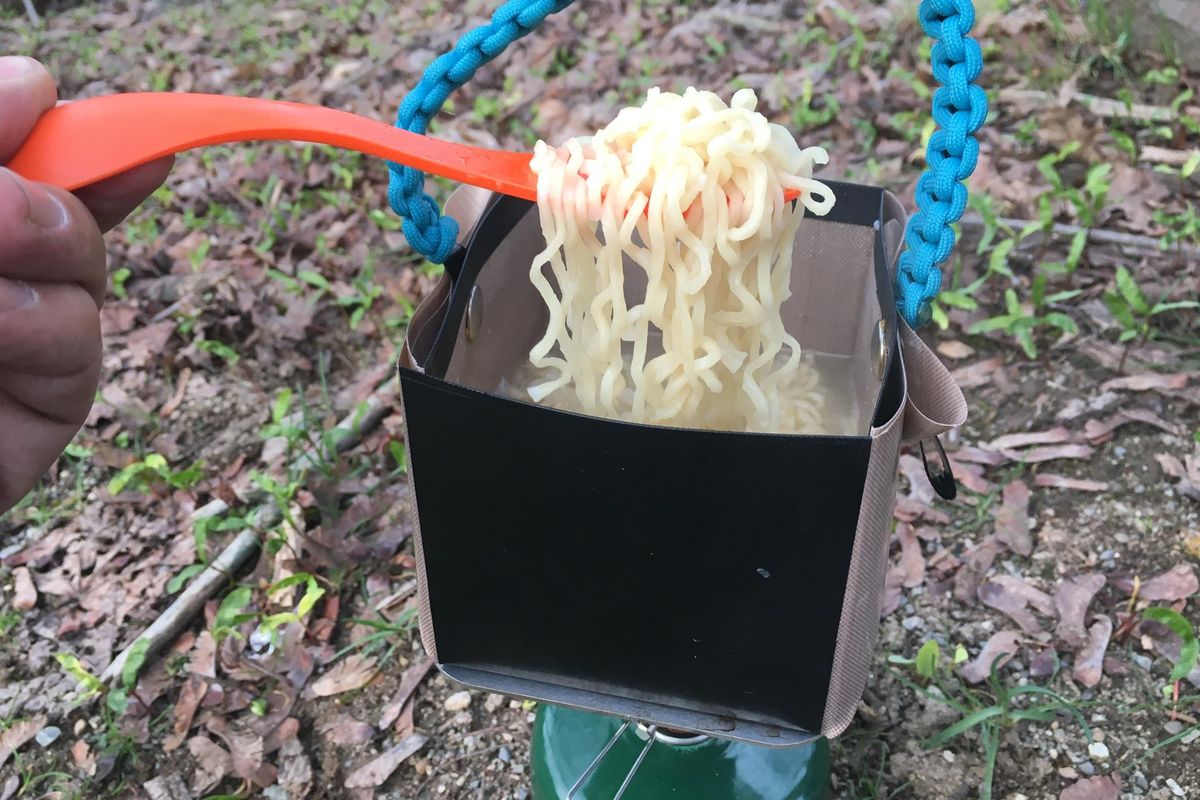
<point x="684" y="196"/>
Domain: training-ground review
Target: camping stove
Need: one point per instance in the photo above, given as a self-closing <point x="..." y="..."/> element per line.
<point x="579" y="755"/>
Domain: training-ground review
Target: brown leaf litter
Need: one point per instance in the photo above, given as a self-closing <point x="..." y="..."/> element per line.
<point x="1072" y="598"/>
<point x="1003" y="645"/>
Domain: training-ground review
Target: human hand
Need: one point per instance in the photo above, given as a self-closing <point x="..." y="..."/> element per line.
<point x="52" y="283"/>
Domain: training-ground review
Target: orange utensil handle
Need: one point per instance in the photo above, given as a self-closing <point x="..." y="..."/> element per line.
<point x="82" y="142"/>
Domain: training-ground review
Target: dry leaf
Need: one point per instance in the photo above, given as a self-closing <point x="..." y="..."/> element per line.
<point x="408" y="684"/>
<point x="1012" y="519"/>
<point x="976" y="562"/>
<point x="1097" y="432"/>
<point x="204" y="657"/>
<point x="1105" y="788"/>
<point x="1058" y="435"/>
<point x="979" y="455"/>
<point x="1142" y="383"/>
<point x="404" y="725"/>
<point x="16" y="735"/>
<point x="345" y="729"/>
<point x="955" y="349"/>
<point x="353" y="672"/>
<point x="1177" y="583"/>
<point x="912" y="561"/>
<point x="970" y="476"/>
<point x="295" y="770"/>
<point x="378" y="770"/>
<point x="247" y="752"/>
<point x="1030" y="594"/>
<point x="893" y="591"/>
<point x="994" y="596"/>
<point x="81" y="754"/>
<point x="167" y="787"/>
<point x="1052" y="453"/>
<point x="212" y="763"/>
<point x="1089" y="661"/>
<point x="1050" y="481"/>
<point x="981" y="373"/>
<point x="1003" y="645"/>
<point x="190" y="695"/>
<point x="1073" y="598"/>
<point x="285" y="732"/>
<point x="24" y="593"/>
<point x="1012" y="596"/>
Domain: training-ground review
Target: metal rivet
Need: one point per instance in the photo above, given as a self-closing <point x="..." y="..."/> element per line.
<point x="474" y="313"/>
<point x="881" y="350"/>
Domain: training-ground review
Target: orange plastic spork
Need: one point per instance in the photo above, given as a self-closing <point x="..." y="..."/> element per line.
<point x="81" y="142"/>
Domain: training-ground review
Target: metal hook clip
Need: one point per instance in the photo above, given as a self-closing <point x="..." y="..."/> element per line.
<point x="942" y="479"/>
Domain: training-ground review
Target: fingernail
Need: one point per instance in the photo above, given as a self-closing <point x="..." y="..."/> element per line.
<point x="45" y="210"/>
<point x="16" y="295"/>
<point x="15" y="67"/>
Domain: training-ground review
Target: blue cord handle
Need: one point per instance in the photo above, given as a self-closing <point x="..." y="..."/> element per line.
<point x="431" y="234"/>
<point x="960" y="108"/>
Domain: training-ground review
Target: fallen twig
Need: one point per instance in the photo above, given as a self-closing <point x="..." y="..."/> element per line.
<point x="172" y="621"/>
<point x="1099" y="236"/>
<point x="1100" y="106"/>
<point x="266" y="514"/>
<point x="33" y="13"/>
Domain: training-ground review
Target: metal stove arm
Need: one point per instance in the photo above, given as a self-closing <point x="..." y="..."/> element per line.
<point x="637" y="763"/>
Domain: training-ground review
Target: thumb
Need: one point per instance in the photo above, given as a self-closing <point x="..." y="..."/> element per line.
<point x="26" y="92"/>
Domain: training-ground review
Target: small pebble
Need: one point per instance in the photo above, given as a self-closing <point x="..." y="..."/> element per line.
<point x="1173" y="727"/>
<point x="457" y="701"/>
<point x="80" y="727"/>
<point x="493" y="701"/>
<point x="912" y="623"/>
<point x="1068" y="772"/>
<point x="48" y="735"/>
<point x="1087" y="769"/>
<point x="1140" y="781"/>
<point x="504" y="755"/>
<point x="1098" y="735"/>
<point x="1108" y="555"/>
<point x="1191" y="737"/>
<point x="1175" y="788"/>
<point x="946" y="754"/>
<point x="1119" y="452"/>
<point x="521" y="794"/>
<point x="1098" y="750"/>
<point x="1145" y="662"/>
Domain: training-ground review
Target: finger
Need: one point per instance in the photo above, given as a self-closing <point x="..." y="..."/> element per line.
<point x="57" y="337"/>
<point x="26" y="92"/>
<point x="47" y="235"/>
<point x="110" y="201"/>
<point x="51" y="333"/>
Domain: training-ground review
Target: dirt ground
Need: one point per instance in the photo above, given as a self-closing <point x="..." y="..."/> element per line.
<point x="260" y="297"/>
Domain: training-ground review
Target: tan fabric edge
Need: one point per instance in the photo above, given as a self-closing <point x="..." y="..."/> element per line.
<point x="935" y="402"/>
<point x="858" y="626"/>
<point x="465" y="205"/>
<point x="424" y="613"/>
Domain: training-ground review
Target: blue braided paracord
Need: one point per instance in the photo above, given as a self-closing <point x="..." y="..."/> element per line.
<point x="960" y="108"/>
<point x="430" y="233"/>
